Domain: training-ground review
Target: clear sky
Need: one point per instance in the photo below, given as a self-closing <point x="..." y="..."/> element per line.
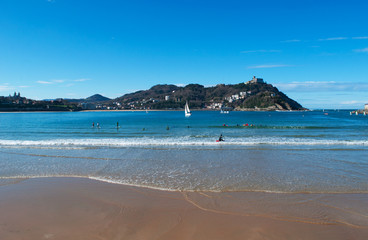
<point x="314" y="51"/>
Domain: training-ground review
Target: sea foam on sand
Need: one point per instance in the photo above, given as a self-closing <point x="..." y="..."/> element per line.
<point x="77" y="208"/>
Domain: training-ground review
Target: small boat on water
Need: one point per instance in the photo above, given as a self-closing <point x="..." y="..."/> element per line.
<point x="224" y="111"/>
<point x="187" y="110"/>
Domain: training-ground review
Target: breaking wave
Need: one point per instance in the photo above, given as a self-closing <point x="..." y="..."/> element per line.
<point x="180" y="141"/>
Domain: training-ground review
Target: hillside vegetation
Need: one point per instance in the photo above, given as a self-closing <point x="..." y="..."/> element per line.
<point x="242" y="96"/>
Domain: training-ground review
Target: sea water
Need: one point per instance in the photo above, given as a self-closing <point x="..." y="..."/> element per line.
<point x="292" y="152"/>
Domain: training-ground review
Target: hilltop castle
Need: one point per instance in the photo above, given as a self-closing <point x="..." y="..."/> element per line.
<point x="255" y="80"/>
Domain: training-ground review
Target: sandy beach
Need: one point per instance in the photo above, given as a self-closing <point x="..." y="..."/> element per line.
<point x="77" y="208"/>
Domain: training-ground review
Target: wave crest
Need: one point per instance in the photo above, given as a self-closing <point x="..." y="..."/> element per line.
<point x="180" y="141"/>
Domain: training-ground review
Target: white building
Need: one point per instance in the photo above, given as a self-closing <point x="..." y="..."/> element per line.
<point x="215" y="106"/>
<point x="229" y="99"/>
<point x="243" y="94"/>
<point x="235" y="97"/>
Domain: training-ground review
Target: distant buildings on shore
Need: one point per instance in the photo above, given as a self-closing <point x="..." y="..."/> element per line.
<point x="362" y="111"/>
<point x="15" y="96"/>
<point x="218" y="97"/>
<point x="15" y="99"/>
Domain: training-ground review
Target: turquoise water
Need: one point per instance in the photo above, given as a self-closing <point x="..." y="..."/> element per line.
<point x="278" y="151"/>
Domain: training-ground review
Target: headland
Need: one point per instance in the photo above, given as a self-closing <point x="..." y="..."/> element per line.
<point x="253" y="95"/>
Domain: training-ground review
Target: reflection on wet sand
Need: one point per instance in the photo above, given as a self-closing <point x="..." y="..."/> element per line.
<point x="324" y="209"/>
<point x="76" y="208"/>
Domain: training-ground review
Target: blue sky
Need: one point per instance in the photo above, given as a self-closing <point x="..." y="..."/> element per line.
<point x="314" y="51"/>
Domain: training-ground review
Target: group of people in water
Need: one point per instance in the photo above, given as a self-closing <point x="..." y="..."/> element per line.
<point x="221" y="138"/>
<point x="244" y="125"/>
<point x="97" y="125"/>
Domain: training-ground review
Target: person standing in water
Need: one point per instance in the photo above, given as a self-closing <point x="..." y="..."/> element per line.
<point x="117" y="124"/>
<point x="221" y="139"/>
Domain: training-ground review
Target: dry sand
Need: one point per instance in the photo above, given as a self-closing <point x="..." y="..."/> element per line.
<point x="76" y="208"/>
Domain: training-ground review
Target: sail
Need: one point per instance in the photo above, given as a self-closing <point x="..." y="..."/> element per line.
<point x="187" y="111"/>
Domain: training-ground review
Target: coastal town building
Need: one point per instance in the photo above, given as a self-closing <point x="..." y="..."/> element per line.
<point x="215" y="106"/>
<point x="235" y="97"/>
<point x="366" y="107"/>
<point x="229" y="99"/>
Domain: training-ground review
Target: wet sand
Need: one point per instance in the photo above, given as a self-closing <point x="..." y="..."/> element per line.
<point x="76" y="208"/>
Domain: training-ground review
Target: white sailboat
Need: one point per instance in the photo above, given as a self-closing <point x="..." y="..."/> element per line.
<point x="187" y="110"/>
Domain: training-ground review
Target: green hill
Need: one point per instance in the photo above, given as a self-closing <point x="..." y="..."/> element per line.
<point x="92" y="99"/>
<point x="242" y="96"/>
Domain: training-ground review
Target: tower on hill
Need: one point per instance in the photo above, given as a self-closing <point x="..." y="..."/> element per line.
<point x="255" y="80"/>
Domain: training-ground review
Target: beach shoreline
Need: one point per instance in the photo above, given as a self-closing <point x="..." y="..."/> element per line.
<point x="81" y="208"/>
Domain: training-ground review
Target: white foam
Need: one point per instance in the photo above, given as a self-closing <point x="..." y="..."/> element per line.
<point x="16" y="179"/>
<point x="179" y="141"/>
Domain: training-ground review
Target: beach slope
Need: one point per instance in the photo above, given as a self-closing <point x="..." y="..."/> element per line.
<point x="76" y="208"/>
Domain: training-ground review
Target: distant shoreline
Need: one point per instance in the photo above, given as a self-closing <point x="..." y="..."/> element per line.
<point x="161" y="110"/>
